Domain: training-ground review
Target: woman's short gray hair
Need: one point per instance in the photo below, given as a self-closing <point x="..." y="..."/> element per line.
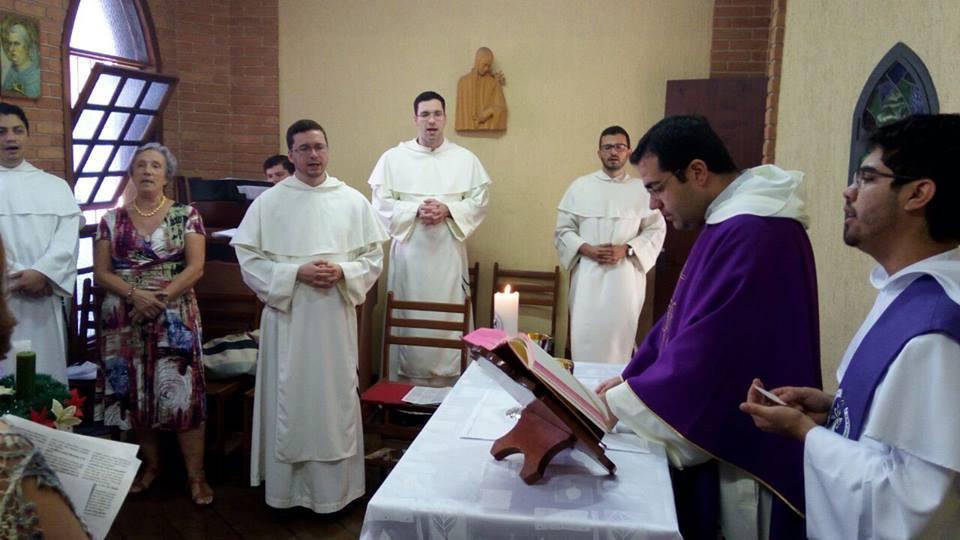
<point x="167" y="156"/>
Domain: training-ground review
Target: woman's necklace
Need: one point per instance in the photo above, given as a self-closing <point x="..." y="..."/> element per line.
<point x="163" y="200"/>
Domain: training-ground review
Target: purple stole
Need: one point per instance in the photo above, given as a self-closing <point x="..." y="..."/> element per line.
<point x="922" y="308"/>
<point x="745" y="306"/>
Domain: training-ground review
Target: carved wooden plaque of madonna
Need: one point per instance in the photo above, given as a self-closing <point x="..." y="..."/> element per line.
<point x="480" y="102"/>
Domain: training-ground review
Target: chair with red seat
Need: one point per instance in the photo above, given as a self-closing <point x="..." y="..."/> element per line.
<point x="383" y="402"/>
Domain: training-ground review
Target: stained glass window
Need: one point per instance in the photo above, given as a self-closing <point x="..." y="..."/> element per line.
<point x="899" y="86"/>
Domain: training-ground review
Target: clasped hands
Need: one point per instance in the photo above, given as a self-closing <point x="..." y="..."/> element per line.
<point x="147" y="305"/>
<point x="806" y="409"/>
<point x="319" y="274"/>
<point x="432" y="212"/>
<point x="31" y="283"/>
<point x="604" y="253"/>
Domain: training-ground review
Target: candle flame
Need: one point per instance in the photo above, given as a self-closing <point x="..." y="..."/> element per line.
<point x="506" y="290"/>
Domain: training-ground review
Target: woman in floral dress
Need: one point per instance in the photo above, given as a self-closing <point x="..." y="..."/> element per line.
<point x="148" y="255"/>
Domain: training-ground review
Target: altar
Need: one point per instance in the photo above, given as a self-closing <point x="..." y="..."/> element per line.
<point x="447" y="485"/>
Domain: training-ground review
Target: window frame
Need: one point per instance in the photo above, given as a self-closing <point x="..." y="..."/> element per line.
<point x="898" y="54"/>
<point x="153" y="65"/>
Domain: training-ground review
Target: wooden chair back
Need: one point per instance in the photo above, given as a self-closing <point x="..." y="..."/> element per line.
<point x="392" y="322"/>
<point x="538" y="290"/>
<point x="227" y="306"/>
<point x="473" y="273"/>
<point x="89" y="327"/>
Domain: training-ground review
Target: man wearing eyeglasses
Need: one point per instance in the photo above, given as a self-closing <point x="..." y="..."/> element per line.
<point x="310" y="248"/>
<point x="608" y="237"/>
<point x="745" y="303"/>
<point x="431" y="195"/>
<point x="882" y="456"/>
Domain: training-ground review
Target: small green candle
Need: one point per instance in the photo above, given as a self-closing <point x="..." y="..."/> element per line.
<point x="26" y="374"/>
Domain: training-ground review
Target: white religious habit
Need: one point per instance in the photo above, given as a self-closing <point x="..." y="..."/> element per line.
<point x="428" y="263"/>
<point x="605" y="300"/>
<point x="40" y="226"/>
<point x="745" y="506"/>
<point x="307" y="433"/>
<point x="901" y="479"/>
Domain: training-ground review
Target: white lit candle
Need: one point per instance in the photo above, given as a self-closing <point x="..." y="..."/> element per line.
<point x="506" y="310"/>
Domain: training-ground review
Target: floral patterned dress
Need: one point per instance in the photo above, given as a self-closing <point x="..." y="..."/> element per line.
<point x="152" y="372"/>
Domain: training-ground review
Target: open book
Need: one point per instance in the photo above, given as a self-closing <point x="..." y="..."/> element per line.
<point x="545" y="368"/>
<point x="95" y="473"/>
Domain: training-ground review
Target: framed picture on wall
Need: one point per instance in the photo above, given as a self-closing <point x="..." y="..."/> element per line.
<point x="19" y="56"/>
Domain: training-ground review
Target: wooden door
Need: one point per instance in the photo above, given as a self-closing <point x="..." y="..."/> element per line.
<point x="735" y="109"/>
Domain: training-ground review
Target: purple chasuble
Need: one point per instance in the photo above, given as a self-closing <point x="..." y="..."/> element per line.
<point x="745" y="306"/>
<point x="922" y="308"/>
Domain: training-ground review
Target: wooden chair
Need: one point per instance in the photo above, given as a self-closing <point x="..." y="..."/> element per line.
<point x="86" y="346"/>
<point x="384" y="400"/>
<point x="474" y="275"/>
<point x="538" y="290"/>
<point x="227" y="306"/>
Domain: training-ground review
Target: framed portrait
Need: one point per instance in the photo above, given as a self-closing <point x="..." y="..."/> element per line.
<point x="19" y="56"/>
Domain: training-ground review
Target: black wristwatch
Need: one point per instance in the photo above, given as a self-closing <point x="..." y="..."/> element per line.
<point x="630" y="251"/>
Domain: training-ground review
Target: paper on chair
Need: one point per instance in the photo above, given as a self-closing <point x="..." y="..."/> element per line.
<point x="426" y="395"/>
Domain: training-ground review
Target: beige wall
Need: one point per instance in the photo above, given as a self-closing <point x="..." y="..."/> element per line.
<point x="572" y="68"/>
<point x="830" y="49"/>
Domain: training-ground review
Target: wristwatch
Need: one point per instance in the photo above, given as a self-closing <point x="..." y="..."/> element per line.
<point x="630" y="251"/>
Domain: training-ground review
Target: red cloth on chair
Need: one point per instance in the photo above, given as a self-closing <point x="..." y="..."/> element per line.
<point x="386" y="392"/>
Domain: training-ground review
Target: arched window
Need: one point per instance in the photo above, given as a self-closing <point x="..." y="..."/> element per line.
<point x="117" y="96"/>
<point x="112" y="32"/>
<point x="899" y="86"/>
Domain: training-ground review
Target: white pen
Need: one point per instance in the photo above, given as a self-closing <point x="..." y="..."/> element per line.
<point x="770" y="395"/>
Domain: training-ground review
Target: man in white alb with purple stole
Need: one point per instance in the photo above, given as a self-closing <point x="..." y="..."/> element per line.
<point x="310" y="248"/>
<point x="431" y="195"/>
<point x="609" y="238"/>
<point x="40" y="225"/>
<point x="882" y="456"/>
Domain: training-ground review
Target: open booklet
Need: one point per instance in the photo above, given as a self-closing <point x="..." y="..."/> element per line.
<point x="548" y="370"/>
<point x="96" y="473"/>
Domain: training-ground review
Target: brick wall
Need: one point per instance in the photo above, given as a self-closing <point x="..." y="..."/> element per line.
<point x="740" y="38"/>
<point x="222" y="120"/>
<point x="774" y="62"/>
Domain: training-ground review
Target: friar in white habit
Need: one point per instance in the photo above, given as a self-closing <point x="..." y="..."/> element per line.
<point x="40" y="226"/>
<point x="310" y="248"/>
<point x="608" y="237"/>
<point x="431" y="195"/>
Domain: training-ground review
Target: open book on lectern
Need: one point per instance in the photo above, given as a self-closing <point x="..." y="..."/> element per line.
<point x="520" y="352"/>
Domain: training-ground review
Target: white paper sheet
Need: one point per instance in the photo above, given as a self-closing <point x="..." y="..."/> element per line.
<point x="96" y="473"/>
<point x="426" y="395"/>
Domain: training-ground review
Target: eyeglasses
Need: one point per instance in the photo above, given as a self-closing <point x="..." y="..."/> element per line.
<point x="619" y="147"/>
<point x="657" y="188"/>
<point x="866" y="175"/>
<point x="308" y="149"/>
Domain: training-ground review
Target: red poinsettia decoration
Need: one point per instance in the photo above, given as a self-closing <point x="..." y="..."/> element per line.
<point x="42" y="417"/>
<point x="77" y="401"/>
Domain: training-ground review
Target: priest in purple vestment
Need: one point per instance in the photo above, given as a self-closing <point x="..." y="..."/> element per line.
<point x="745" y="304"/>
<point x="882" y="456"/>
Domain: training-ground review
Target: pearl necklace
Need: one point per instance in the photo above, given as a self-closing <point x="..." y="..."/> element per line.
<point x="163" y="200"/>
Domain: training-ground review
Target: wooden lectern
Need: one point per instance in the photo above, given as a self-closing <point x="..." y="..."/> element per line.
<point x="547" y="425"/>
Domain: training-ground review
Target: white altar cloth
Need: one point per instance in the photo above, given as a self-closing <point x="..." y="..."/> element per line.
<point x="447" y="486"/>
